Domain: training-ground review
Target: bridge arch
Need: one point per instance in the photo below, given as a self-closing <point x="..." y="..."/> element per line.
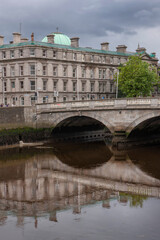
<point x="145" y="119"/>
<point x="92" y="115"/>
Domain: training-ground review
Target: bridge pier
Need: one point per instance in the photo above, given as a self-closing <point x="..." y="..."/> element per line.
<point x="118" y="139"/>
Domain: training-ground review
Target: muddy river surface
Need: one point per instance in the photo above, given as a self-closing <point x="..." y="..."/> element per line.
<point x="79" y="191"/>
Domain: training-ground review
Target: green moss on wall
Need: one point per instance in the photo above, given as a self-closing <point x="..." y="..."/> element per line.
<point x="26" y="134"/>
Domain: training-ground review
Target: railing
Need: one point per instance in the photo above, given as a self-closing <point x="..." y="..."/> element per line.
<point x="102" y="104"/>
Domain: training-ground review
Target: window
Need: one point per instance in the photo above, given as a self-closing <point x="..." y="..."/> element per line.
<point x="32" y="85"/>
<point x="83" y="86"/>
<point x="54" y="71"/>
<point x="44" y="70"/>
<point x="111" y="60"/>
<point x="119" y="60"/>
<point x="13" y="101"/>
<point x="111" y="87"/>
<point x="100" y="59"/>
<point x="54" y="85"/>
<point x="100" y="73"/>
<point x="5" y="101"/>
<point x="32" y="52"/>
<point x="44" y="85"/>
<point x="45" y="99"/>
<point x="83" y="57"/>
<point x="92" y="58"/>
<point x="54" y="99"/>
<point x="92" y="86"/>
<point x="74" y="86"/>
<point x="111" y="74"/>
<point x="22" y="101"/>
<point x="12" y="53"/>
<point x="33" y="100"/>
<point x="21" y="85"/>
<point x="104" y="87"/>
<point x="12" y="84"/>
<point x="104" y="59"/>
<point x="20" y="52"/>
<point x="3" y="54"/>
<point x="12" y="71"/>
<point x="83" y="72"/>
<point x="64" y="55"/>
<point x="92" y="73"/>
<point x="104" y="74"/>
<point x="64" y="99"/>
<point x="64" y="71"/>
<point x="4" y="72"/>
<point x="74" y="72"/>
<point x="74" y="98"/>
<point x="64" y="86"/>
<point x="21" y="70"/>
<point x="44" y="53"/>
<point x="83" y="98"/>
<point x="100" y="87"/>
<point x="54" y="54"/>
<point x="32" y="69"/>
<point x="74" y="56"/>
<point x="5" y="86"/>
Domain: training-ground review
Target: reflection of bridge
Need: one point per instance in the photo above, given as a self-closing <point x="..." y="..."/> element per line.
<point x="42" y="179"/>
<point x="116" y="114"/>
<point x="51" y="185"/>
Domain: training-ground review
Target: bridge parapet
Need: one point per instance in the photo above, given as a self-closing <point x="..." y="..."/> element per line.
<point x="99" y="104"/>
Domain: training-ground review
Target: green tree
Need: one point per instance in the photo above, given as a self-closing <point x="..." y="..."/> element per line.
<point x="136" y="78"/>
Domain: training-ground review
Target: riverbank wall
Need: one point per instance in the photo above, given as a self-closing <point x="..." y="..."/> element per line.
<point x="20" y="124"/>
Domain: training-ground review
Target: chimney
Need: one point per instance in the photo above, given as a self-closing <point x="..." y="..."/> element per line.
<point x="32" y="37"/>
<point x="1" y="40"/>
<point x="153" y="54"/>
<point x="75" y="42"/>
<point x="140" y="50"/>
<point x="121" y="48"/>
<point x="24" y="39"/>
<point x="50" y="38"/>
<point x="16" y="37"/>
<point x="105" y="46"/>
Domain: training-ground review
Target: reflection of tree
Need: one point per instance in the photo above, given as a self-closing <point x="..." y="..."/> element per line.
<point x="134" y="200"/>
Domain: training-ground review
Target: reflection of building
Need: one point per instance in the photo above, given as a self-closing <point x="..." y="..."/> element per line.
<point x="40" y="191"/>
<point x="57" y="69"/>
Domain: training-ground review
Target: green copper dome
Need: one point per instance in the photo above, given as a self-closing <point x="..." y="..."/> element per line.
<point x="59" y="38"/>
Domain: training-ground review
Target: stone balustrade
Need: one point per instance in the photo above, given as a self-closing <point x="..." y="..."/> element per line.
<point x="99" y="104"/>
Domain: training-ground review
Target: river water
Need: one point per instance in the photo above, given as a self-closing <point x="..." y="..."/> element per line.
<point x="79" y="191"/>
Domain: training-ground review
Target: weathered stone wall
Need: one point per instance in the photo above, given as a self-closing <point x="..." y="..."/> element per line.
<point x="20" y="123"/>
<point x="17" y="117"/>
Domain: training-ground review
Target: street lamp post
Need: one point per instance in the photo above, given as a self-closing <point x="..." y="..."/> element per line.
<point x="1" y="73"/>
<point x="77" y="85"/>
<point x="117" y="84"/>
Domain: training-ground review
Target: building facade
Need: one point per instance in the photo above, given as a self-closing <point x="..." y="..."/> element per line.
<point x="57" y="69"/>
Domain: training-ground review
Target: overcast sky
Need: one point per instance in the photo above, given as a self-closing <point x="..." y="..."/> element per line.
<point x="126" y="22"/>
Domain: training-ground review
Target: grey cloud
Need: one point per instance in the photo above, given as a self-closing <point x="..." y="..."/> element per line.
<point x="89" y="18"/>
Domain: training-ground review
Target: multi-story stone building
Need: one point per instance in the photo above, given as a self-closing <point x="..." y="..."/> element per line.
<point x="57" y="69"/>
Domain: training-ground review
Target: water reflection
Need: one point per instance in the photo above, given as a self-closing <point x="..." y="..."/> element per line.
<point x="39" y="181"/>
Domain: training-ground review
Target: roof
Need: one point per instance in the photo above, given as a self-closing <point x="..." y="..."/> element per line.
<point x="59" y="38"/>
<point x="45" y="44"/>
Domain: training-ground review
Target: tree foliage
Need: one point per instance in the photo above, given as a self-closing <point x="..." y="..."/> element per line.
<point x="136" y="78"/>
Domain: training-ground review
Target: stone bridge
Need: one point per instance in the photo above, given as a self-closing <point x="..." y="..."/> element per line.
<point x="116" y="114"/>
